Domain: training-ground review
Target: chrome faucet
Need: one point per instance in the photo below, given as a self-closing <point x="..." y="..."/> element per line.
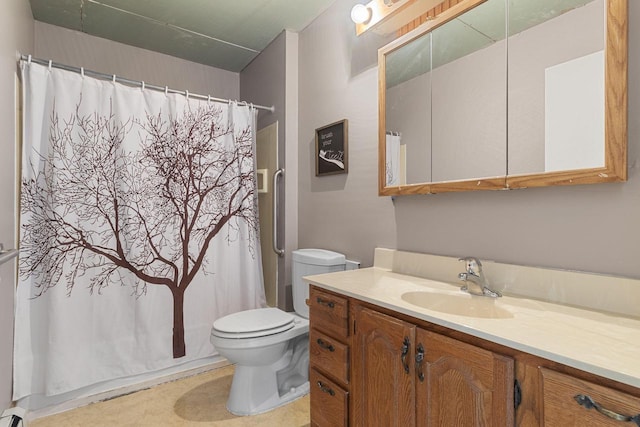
<point x="475" y="282"/>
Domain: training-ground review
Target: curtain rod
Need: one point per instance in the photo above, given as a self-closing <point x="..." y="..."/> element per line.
<point x="130" y="82"/>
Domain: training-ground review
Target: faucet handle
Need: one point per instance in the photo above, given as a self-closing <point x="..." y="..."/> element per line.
<point x="472" y="265"/>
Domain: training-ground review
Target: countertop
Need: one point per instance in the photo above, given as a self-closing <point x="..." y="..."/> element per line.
<point x="603" y="344"/>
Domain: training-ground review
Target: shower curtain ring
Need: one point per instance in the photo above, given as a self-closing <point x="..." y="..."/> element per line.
<point x="186" y="93"/>
<point x="82" y="71"/>
<point x="50" y="64"/>
<point x="166" y="90"/>
<point x="114" y="78"/>
<point x="29" y="59"/>
<point x="142" y="86"/>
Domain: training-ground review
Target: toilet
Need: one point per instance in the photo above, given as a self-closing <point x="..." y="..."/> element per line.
<point x="270" y="347"/>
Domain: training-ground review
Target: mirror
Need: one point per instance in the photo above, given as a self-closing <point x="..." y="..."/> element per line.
<point x="408" y="89"/>
<point x="469" y="95"/>
<point x="495" y="94"/>
<point x="556" y="94"/>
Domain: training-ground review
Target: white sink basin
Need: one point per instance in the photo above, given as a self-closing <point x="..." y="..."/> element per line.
<point x="458" y="304"/>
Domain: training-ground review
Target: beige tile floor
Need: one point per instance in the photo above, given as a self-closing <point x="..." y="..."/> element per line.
<point x="194" y="401"/>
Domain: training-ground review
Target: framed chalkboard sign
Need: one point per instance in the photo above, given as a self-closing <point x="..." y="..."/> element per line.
<point x="332" y="148"/>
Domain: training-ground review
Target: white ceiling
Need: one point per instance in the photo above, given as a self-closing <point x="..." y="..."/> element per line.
<point x="225" y="34"/>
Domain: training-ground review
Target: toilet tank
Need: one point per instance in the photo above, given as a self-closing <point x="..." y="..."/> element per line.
<point x="307" y="262"/>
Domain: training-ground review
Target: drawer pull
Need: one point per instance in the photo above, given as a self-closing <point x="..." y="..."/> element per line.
<point x="326" y="389"/>
<point x="324" y="345"/>
<point x="403" y="356"/>
<point x="589" y="403"/>
<point x="329" y="304"/>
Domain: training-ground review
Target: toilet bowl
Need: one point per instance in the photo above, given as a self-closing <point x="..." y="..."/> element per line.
<point x="271" y="362"/>
<point x="270" y="347"/>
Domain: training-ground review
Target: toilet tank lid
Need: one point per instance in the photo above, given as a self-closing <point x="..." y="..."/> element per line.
<point x="318" y="257"/>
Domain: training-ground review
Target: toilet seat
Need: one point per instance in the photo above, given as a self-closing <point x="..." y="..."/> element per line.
<point x="253" y="323"/>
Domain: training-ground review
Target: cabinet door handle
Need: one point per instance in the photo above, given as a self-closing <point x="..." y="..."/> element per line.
<point x="405" y="350"/>
<point x="325" y="345"/>
<point x="419" y="360"/>
<point x="588" y="402"/>
<point x="326" y="389"/>
<point x="329" y="304"/>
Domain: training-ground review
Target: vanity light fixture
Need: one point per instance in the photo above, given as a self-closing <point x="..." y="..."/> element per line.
<point x="360" y="14"/>
<point x="388" y="16"/>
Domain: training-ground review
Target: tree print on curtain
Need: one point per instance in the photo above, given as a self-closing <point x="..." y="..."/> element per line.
<point x="152" y="213"/>
<point x="138" y="229"/>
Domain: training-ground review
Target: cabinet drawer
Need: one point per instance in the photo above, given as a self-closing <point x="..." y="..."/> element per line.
<point x="561" y="408"/>
<point x="330" y="355"/>
<point x="329" y="312"/>
<point x="329" y="402"/>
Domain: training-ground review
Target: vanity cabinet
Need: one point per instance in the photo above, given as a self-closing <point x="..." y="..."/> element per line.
<point x="372" y="366"/>
<point x="404" y="375"/>
<point x="329" y="358"/>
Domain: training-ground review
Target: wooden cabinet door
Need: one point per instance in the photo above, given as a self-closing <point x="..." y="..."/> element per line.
<point x="463" y="385"/>
<point x="382" y="387"/>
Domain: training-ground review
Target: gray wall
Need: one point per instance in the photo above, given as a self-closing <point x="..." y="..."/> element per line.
<point x="591" y="228"/>
<point x="17" y="38"/>
<point x="263" y="82"/>
<point x="271" y="79"/>
<point x="339" y="80"/>
<point x="97" y="54"/>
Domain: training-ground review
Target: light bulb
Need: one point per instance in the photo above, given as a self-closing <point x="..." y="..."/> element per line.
<point x="360" y="14"/>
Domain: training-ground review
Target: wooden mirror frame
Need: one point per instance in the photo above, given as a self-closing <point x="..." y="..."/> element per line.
<point x="615" y="144"/>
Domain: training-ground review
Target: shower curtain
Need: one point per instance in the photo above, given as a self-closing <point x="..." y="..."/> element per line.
<point x="138" y="228"/>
